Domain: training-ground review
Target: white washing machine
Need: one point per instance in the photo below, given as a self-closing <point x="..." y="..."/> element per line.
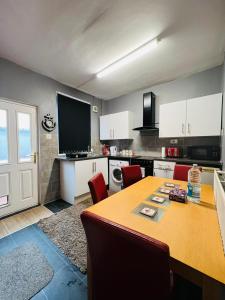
<point x="115" y="174"/>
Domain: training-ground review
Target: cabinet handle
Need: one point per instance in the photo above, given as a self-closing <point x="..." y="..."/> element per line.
<point x="113" y="133"/>
<point x="93" y="167"/>
<point x="189" y="128"/>
<point x="183" y="128"/>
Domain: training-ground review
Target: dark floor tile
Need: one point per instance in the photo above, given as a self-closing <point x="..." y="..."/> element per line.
<point x="67" y="286"/>
<point x="58" y="205"/>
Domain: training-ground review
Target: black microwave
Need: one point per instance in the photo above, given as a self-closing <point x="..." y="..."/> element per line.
<point x="204" y="152"/>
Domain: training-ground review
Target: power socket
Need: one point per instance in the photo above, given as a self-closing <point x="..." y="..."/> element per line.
<point x="174" y="141"/>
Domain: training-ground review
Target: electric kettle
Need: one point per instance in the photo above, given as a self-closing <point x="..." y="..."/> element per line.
<point x="113" y="150"/>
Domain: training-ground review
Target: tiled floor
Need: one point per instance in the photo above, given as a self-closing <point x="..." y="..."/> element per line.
<point x="57" y="205"/>
<point x="68" y="282"/>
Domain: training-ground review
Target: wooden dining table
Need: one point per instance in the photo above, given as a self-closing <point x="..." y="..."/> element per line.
<point x="190" y="230"/>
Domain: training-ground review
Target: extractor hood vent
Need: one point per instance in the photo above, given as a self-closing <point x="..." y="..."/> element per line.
<point x="148" y="113"/>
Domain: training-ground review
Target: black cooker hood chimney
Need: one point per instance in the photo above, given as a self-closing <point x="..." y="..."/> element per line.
<point x="148" y="113"/>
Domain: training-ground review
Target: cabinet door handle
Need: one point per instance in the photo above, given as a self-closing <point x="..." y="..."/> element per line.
<point x="113" y="132"/>
<point x="183" y="128"/>
<point x="189" y="128"/>
<point x="93" y="167"/>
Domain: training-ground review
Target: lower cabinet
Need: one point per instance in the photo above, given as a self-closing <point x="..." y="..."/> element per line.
<point x="74" y="176"/>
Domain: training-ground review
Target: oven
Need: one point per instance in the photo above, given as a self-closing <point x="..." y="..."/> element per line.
<point x="145" y="164"/>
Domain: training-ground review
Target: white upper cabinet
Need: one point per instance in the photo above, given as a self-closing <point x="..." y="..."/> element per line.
<point x="116" y="126"/>
<point x="193" y="117"/>
<point x="204" y="116"/>
<point x="172" y="119"/>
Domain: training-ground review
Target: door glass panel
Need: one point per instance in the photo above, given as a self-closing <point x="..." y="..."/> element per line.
<point x="24" y="137"/>
<point x="3" y="137"/>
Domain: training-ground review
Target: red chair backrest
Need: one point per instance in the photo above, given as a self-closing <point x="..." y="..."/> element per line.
<point x="181" y="172"/>
<point x="98" y="188"/>
<point x="131" y="175"/>
<point x="124" y="264"/>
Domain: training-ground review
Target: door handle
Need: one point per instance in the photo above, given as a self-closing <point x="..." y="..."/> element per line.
<point x="113" y="132"/>
<point x="93" y="168"/>
<point x="34" y="157"/>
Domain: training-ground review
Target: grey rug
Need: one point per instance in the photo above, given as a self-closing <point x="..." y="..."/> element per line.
<point x="66" y="231"/>
<point x="23" y="273"/>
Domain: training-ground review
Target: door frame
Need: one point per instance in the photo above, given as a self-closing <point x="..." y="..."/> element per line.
<point x="21" y="102"/>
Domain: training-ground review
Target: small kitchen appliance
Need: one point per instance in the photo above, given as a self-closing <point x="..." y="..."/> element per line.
<point x="204" y="152"/>
<point x="113" y="150"/>
<point x="105" y="150"/>
<point x="173" y="152"/>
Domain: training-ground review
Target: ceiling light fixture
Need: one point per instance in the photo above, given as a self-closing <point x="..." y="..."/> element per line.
<point x="128" y="58"/>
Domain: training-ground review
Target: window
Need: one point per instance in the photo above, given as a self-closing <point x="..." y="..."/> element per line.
<point x="3" y="137"/>
<point x="24" y="137"/>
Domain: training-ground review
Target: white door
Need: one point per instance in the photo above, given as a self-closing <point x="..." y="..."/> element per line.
<point x="18" y="155"/>
<point x="101" y="166"/>
<point x="204" y="116"/>
<point x="172" y="119"/>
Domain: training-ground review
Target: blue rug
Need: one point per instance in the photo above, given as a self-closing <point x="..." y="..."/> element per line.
<point x="67" y="283"/>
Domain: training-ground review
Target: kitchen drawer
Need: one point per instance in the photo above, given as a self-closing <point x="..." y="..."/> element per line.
<point x="164" y="165"/>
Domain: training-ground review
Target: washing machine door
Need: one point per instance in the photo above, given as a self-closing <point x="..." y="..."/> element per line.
<point x="117" y="175"/>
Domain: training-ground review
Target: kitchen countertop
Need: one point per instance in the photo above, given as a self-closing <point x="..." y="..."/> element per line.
<point x="64" y="158"/>
<point x="207" y="163"/>
<point x="186" y="161"/>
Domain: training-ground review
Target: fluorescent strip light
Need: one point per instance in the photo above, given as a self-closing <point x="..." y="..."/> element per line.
<point x="128" y="58"/>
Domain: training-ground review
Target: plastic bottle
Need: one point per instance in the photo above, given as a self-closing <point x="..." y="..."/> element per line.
<point x="194" y="183"/>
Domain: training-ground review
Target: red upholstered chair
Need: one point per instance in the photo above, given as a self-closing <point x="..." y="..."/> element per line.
<point x="131" y="175"/>
<point x="181" y="172"/>
<point x="98" y="188"/>
<point x="125" y="264"/>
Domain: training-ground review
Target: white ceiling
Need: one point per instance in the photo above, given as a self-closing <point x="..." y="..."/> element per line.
<point x="71" y="40"/>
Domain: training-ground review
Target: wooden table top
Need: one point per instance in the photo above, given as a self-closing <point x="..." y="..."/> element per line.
<point x="191" y="230"/>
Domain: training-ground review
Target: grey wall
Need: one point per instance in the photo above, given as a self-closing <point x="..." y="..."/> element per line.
<point x="200" y="84"/>
<point x="22" y="85"/>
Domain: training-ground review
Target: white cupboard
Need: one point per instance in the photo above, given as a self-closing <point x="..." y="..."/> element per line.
<point x="204" y="116"/>
<point x="172" y="119"/>
<point x="74" y="176"/>
<point x="116" y="126"/>
<point x="193" y="117"/>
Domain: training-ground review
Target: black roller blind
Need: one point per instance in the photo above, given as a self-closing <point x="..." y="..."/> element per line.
<point x="74" y="124"/>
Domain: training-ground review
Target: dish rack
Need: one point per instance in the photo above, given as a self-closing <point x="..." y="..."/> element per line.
<point x="219" y="194"/>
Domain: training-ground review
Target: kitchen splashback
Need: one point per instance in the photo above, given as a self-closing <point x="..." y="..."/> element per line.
<point x="148" y="145"/>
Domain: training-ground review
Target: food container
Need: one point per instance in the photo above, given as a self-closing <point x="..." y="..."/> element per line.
<point x="178" y="195"/>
